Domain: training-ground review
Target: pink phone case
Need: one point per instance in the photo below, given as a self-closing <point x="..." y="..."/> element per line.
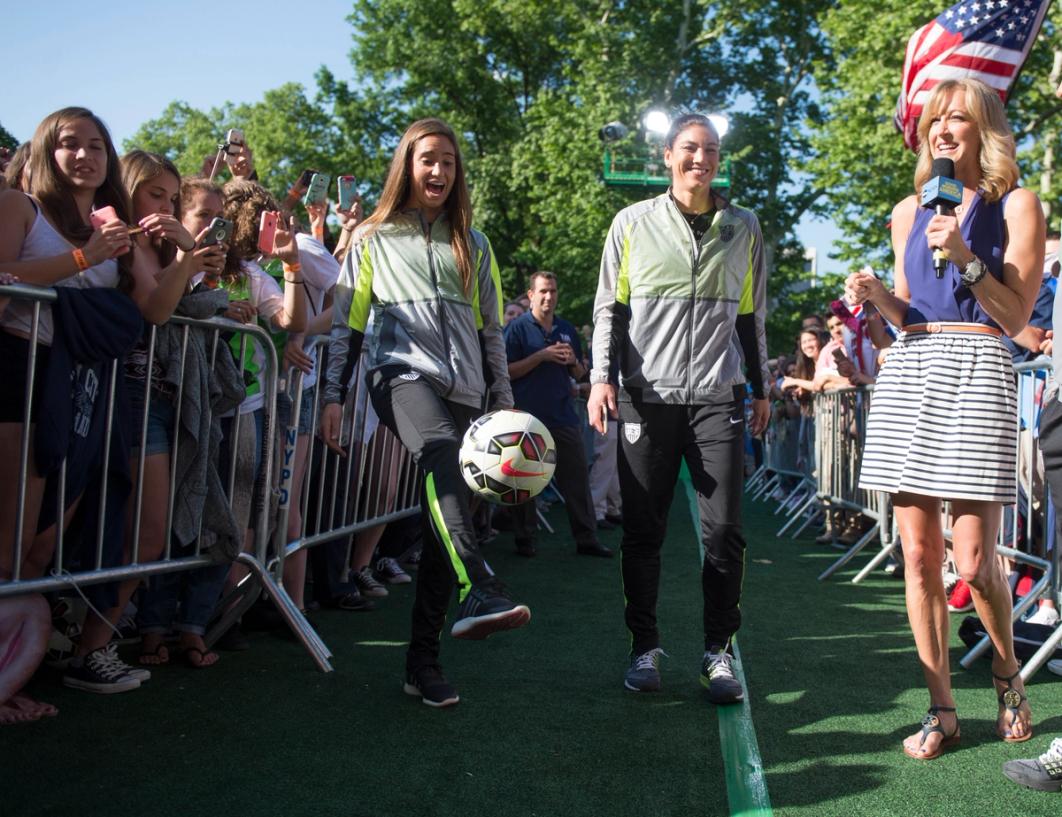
<point x="267" y="232"/>
<point x="97" y="218"/>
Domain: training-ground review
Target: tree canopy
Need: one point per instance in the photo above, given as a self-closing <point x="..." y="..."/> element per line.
<point x="809" y="87"/>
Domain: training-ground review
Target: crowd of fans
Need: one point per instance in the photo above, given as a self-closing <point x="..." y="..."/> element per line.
<point x="154" y="235"/>
<point x="153" y="239"/>
<point x="845" y="350"/>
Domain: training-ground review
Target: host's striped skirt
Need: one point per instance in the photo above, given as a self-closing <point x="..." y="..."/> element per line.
<point x="943" y="419"/>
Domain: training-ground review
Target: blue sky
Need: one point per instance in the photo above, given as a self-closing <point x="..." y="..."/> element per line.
<point x="206" y="53"/>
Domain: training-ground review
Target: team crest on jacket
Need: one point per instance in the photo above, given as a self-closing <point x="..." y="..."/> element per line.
<point x="632" y="431"/>
<point x="726" y="232"/>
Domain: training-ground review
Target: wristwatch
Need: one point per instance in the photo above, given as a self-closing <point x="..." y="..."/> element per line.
<point x="973" y="272"/>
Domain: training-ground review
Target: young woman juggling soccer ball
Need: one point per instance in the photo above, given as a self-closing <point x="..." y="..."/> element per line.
<point x="436" y="362"/>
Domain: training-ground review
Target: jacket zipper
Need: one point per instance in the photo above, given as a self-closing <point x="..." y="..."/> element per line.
<point x="695" y="257"/>
<point x="439" y="306"/>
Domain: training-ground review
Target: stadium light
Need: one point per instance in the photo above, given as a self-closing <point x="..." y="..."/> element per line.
<point x="657" y="122"/>
<point x="720" y="123"/>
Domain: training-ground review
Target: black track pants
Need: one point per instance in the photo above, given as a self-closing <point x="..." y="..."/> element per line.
<point x="573" y="480"/>
<point x="431" y="429"/>
<point x="653" y="441"/>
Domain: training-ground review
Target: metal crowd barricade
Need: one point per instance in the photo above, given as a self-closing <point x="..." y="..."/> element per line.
<point x="1033" y="503"/>
<point x="359" y="492"/>
<point x="62" y="579"/>
<point x="781" y="472"/>
<point x="377" y="482"/>
<point x="840" y="429"/>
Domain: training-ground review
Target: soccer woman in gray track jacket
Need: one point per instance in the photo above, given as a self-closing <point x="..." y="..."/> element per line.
<point x="435" y="356"/>
<point x="679" y="313"/>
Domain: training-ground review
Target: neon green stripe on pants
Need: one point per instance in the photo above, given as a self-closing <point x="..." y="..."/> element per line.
<point x="440" y="526"/>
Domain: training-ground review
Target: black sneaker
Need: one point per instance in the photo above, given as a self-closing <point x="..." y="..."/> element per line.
<point x="367" y="584"/>
<point x="643" y="674"/>
<point x="102" y="672"/>
<point x="486" y="609"/>
<point x="410" y="561"/>
<point x="717" y="676"/>
<point x="390" y="571"/>
<point x="429" y="683"/>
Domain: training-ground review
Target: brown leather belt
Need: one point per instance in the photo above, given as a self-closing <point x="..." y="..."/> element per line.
<point x="966" y="328"/>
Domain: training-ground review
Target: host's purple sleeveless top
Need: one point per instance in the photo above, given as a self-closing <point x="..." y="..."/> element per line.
<point x="946" y="299"/>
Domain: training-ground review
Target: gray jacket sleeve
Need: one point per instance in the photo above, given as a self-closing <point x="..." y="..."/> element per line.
<point x="607" y="329"/>
<point x="350" y="312"/>
<point x="759" y="305"/>
<point x="495" y="360"/>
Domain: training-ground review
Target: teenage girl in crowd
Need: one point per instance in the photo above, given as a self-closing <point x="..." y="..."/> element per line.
<point x="941" y="423"/>
<point x="319" y="274"/>
<point x="46" y="239"/>
<point x="255" y="296"/>
<point x="195" y="204"/>
<point x="436" y="357"/>
<point x="167" y="251"/>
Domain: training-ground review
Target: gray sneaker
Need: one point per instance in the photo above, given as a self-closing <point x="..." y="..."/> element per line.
<point x="717" y="676"/>
<point x="1042" y="774"/>
<point x="643" y="675"/>
<point x="367" y="584"/>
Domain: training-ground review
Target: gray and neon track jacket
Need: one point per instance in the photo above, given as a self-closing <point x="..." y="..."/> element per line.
<point x="422" y="319"/>
<point x="681" y="318"/>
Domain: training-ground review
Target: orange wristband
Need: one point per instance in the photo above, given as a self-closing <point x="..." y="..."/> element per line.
<point x="79" y="258"/>
<point x="293" y="268"/>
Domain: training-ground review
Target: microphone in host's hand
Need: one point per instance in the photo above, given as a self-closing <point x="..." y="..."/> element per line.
<point x="943" y="194"/>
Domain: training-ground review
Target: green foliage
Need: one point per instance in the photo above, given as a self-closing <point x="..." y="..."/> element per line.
<point x="7" y="140"/>
<point x="858" y="158"/>
<point x="287" y="132"/>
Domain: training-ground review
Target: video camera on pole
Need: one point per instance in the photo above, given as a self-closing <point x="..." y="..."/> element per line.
<point x="942" y="193"/>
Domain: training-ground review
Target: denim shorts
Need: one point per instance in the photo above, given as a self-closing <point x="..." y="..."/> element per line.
<point x="161" y="415"/>
<point x="305" y="410"/>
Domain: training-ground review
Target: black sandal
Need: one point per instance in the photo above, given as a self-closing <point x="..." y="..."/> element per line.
<point x="931" y="724"/>
<point x="1012" y="700"/>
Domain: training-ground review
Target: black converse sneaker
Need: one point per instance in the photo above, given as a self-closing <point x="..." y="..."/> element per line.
<point x="717" y="676"/>
<point x="486" y="609"/>
<point x="429" y="683"/>
<point x="100" y="671"/>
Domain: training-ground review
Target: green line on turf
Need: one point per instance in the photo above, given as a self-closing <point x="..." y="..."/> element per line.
<point x="746" y="785"/>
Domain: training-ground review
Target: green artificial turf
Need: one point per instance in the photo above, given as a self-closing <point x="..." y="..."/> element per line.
<point x="544" y="727"/>
<point x="835" y="686"/>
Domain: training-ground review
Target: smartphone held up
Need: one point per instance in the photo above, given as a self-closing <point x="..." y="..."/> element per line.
<point x="348" y="192"/>
<point x="218" y="232"/>
<point x="267" y="232"/>
<point x="317" y="190"/>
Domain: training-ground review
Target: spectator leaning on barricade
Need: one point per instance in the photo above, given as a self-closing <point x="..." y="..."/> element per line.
<point x="942" y="419"/>
<point x="254" y="297"/>
<point x="168" y="250"/>
<point x="46" y="239"/>
<point x="298" y="350"/>
<point x="432" y="284"/>
<point x="544" y="356"/>
<point x="681" y="390"/>
<point x="207" y="388"/>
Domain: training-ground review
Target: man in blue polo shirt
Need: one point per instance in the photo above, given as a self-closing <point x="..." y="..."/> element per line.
<point x="544" y="356"/>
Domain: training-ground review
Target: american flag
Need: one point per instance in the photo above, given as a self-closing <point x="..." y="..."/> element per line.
<point x="980" y="39"/>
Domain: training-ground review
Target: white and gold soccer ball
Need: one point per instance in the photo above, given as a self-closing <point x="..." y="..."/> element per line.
<point x="508" y="456"/>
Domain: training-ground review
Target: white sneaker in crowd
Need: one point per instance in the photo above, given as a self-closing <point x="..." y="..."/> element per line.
<point x="1045" y="615"/>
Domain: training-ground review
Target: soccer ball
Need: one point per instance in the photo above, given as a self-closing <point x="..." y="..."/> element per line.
<point x="508" y="456"/>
